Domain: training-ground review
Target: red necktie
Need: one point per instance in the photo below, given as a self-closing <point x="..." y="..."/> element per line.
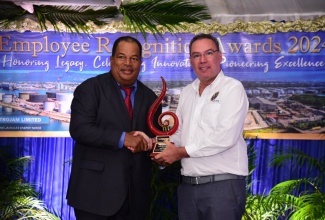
<point x="127" y="99"/>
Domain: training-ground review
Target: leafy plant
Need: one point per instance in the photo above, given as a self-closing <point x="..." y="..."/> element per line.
<point x="18" y="199"/>
<point x="73" y="20"/>
<point x="257" y="206"/>
<point x="140" y="16"/>
<point x="148" y="15"/>
<point x="303" y="198"/>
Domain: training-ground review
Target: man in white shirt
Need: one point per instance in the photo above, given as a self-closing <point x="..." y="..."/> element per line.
<point x="209" y="141"/>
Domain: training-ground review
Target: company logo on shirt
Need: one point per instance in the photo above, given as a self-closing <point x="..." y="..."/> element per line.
<point x="213" y="98"/>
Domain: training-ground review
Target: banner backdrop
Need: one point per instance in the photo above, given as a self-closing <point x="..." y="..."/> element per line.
<point x="283" y="74"/>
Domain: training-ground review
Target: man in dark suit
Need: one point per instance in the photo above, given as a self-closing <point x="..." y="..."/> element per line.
<point x="111" y="169"/>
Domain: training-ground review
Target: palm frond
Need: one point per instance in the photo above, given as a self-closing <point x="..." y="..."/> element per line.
<point x="74" y="20"/>
<point x="149" y="14"/>
<point x="15" y="167"/>
<point x="297" y="158"/>
<point x="309" y="211"/>
<point x="19" y="200"/>
<point x="14" y="189"/>
<point x="12" y="167"/>
<point x="27" y="208"/>
<point x="11" y="12"/>
<point x="264" y="207"/>
<point x="141" y="16"/>
<point x="301" y="204"/>
<point x="290" y="185"/>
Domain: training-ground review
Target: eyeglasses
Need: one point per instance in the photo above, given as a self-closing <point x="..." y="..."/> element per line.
<point x="208" y="54"/>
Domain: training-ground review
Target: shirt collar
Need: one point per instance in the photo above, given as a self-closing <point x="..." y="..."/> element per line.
<point x="215" y="82"/>
<point x="135" y="85"/>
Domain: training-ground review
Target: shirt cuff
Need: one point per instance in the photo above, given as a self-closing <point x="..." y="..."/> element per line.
<point x="121" y="142"/>
<point x="191" y="149"/>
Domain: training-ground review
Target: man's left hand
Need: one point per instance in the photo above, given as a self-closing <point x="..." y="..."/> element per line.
<point x="170" y="154"/>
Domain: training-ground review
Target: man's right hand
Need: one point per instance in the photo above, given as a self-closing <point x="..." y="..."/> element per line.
<point x="136" y="142"/>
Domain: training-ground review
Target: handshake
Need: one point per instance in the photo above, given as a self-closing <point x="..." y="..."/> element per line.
<point x="137" y="141"/>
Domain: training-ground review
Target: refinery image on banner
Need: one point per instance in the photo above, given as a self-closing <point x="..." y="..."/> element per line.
<point x="283" y="75"/>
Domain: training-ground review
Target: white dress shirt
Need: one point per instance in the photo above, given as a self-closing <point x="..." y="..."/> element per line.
<point x="211" y="128"/>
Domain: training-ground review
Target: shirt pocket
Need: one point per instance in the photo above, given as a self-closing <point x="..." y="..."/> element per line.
<point x="210" y="112"/>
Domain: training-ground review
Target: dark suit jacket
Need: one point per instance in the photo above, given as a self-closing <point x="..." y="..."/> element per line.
<point x="102" y="174"/>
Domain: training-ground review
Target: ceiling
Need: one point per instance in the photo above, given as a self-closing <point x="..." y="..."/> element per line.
<point x="222" y="11"/>
<point x="228" y="11"/>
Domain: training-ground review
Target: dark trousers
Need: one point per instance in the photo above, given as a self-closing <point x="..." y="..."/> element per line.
<point x="212" y="201"/>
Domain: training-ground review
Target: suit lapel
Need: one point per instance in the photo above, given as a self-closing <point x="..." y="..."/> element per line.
<point x="116" y="95"/>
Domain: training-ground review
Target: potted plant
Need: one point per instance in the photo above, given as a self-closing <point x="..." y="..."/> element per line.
<point x="302" y="198"/>
<point x="18" y="199"/>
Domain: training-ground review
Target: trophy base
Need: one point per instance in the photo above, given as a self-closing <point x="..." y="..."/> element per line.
<point x="159" y="146"/>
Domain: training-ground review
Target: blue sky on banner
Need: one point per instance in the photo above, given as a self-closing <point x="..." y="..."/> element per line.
<point x="49" y="56"/>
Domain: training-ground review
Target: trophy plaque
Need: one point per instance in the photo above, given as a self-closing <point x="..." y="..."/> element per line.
<point x="160" y="144"/>
<point x="163" y="135"/>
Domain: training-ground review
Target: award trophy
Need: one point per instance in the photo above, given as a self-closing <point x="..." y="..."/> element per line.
<point x="161" y="136"/>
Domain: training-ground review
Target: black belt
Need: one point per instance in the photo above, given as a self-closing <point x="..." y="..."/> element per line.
<point x="196" y="180"/>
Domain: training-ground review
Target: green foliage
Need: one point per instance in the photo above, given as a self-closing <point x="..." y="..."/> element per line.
<point x="310" y="100"/>
<point x="149" y="14"/>
<point x="301" y="204"/>
<point x="164" y="196"/>
<point x="73" y="20"/>
<point x="10" y="14"/>
<point x="305" y="197"/>
<point x="298" y="199"/>
<point x="141" y="16"/>
<point x="257" y="207"/>
<point x="18" y="199"/>
<point x="298" y="160"/>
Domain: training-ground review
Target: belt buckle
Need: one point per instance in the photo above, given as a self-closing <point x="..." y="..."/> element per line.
<point x="195" y="180"/>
